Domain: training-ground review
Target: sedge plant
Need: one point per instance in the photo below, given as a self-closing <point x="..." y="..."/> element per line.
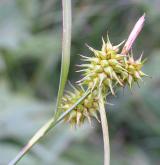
<point x="110" y="68"/>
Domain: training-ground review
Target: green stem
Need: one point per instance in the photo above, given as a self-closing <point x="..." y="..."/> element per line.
<point x="40" y="133"/>
<point x="43" y="131"/>
<point x="104" y="125"/>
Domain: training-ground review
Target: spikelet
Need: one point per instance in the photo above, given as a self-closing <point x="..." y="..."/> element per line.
<point x="105" y="68"/>
<point x="134" y="70"/>
<point x="85" y="110"/>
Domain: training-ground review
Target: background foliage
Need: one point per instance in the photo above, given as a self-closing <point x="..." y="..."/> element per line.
<point x="30" y="49"/>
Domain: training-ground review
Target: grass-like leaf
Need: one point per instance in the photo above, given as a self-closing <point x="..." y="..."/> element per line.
<point x="66" y="45"/>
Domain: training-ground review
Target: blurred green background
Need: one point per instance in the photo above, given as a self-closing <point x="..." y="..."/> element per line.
<point x="30" y="53"/>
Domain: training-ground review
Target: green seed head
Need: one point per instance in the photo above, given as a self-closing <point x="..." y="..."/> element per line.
<point x="105" y="68"/>
<point x="134" y="72"/>
<point x="85" y="110"/>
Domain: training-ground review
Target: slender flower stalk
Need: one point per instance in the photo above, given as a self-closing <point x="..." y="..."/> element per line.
<point x="105" y="131"/>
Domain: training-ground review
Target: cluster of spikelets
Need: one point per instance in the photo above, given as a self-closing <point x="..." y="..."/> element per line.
<point x="134" y="70"/>
<point x="106" y="70"/>
<point x="87" y="109"/>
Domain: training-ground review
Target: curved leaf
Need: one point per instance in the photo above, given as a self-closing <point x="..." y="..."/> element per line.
<point x="66" y="45"/>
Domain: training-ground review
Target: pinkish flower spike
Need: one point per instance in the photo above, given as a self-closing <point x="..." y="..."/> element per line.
<point x="133" y="35"/>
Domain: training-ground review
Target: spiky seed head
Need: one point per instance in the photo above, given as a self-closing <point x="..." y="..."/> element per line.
<point x="104" y="68"/>
<point x="134" y="70"/>
<point x="85" y="110"/>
